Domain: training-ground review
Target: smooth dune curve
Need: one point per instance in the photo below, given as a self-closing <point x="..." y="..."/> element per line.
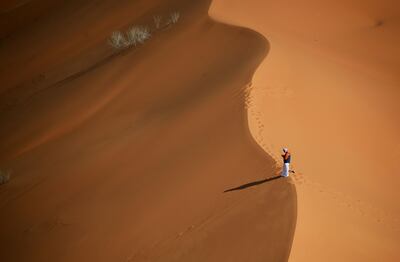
<point x="145" y="157"/>
<point x="328" y="90"/>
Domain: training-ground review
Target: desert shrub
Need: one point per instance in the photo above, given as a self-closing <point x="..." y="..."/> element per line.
<point x="137" y="35"/>
<point x="173" y="18"/>
<point x="157" y="21"/>
<point x="118" y="40"/>
<point x="4" y="176"/>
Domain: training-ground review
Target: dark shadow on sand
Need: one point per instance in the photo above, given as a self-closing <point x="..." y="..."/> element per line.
<point x="255" y="183"/>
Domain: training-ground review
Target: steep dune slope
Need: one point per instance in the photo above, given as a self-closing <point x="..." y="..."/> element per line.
<point x="126" y="157"/>
<point x="328" y="90"/>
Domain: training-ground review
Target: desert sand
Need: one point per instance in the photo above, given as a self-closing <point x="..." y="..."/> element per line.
<point x="169" y="151"/>
<point x="140" y="155"/>
<point x="329" y="90"/>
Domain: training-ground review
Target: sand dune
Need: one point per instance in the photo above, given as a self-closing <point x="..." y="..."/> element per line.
<point x="328" y="90"/>
<point x="126" y="157"/>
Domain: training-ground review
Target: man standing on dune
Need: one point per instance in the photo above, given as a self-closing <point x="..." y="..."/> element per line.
<point x="286" y="162"/>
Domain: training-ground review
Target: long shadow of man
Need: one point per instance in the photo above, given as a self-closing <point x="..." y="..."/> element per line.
<point x="255" y="183"/>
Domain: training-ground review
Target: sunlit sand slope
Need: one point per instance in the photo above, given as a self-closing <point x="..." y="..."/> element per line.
<point x="329" y="90"/>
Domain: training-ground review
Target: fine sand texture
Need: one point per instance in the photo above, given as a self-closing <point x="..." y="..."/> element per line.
<point x="138" y="155"/>
<point x="329" y="89"/>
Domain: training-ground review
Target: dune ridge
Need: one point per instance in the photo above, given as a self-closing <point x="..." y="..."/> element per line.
<point x="129" y="161"/>
<point x="328" y="90"/>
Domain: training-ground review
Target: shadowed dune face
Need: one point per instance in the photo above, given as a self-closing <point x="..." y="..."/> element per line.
<point x="16" y="14"/>
<point x="330" y="86"/>
<point x="126" y="157"/>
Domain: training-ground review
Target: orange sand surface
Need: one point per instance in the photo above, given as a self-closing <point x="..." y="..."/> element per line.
<point x="329" y="89"/>
<point x="141" y="155"/>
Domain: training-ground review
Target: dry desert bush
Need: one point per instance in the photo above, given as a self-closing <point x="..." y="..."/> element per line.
<point x="173" y="18"/>
<point x="118" y="40"/>
<point x="4" y="176"/>
<point x="139" y="34"/>
<point x="157" y="21"/>
<point x="133" y="36"/>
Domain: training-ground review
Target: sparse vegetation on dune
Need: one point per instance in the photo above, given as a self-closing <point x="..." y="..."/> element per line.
<point x="118" y="40"/>
<point x="174" y="18"/>
<point x="139" y="34"/>
<point x="157" y="21"/>
<point x="4" y="176"/>
<point x="133" y="36"/>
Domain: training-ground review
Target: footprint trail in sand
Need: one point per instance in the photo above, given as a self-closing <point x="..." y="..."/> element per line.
<point x="359" y="206"/>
